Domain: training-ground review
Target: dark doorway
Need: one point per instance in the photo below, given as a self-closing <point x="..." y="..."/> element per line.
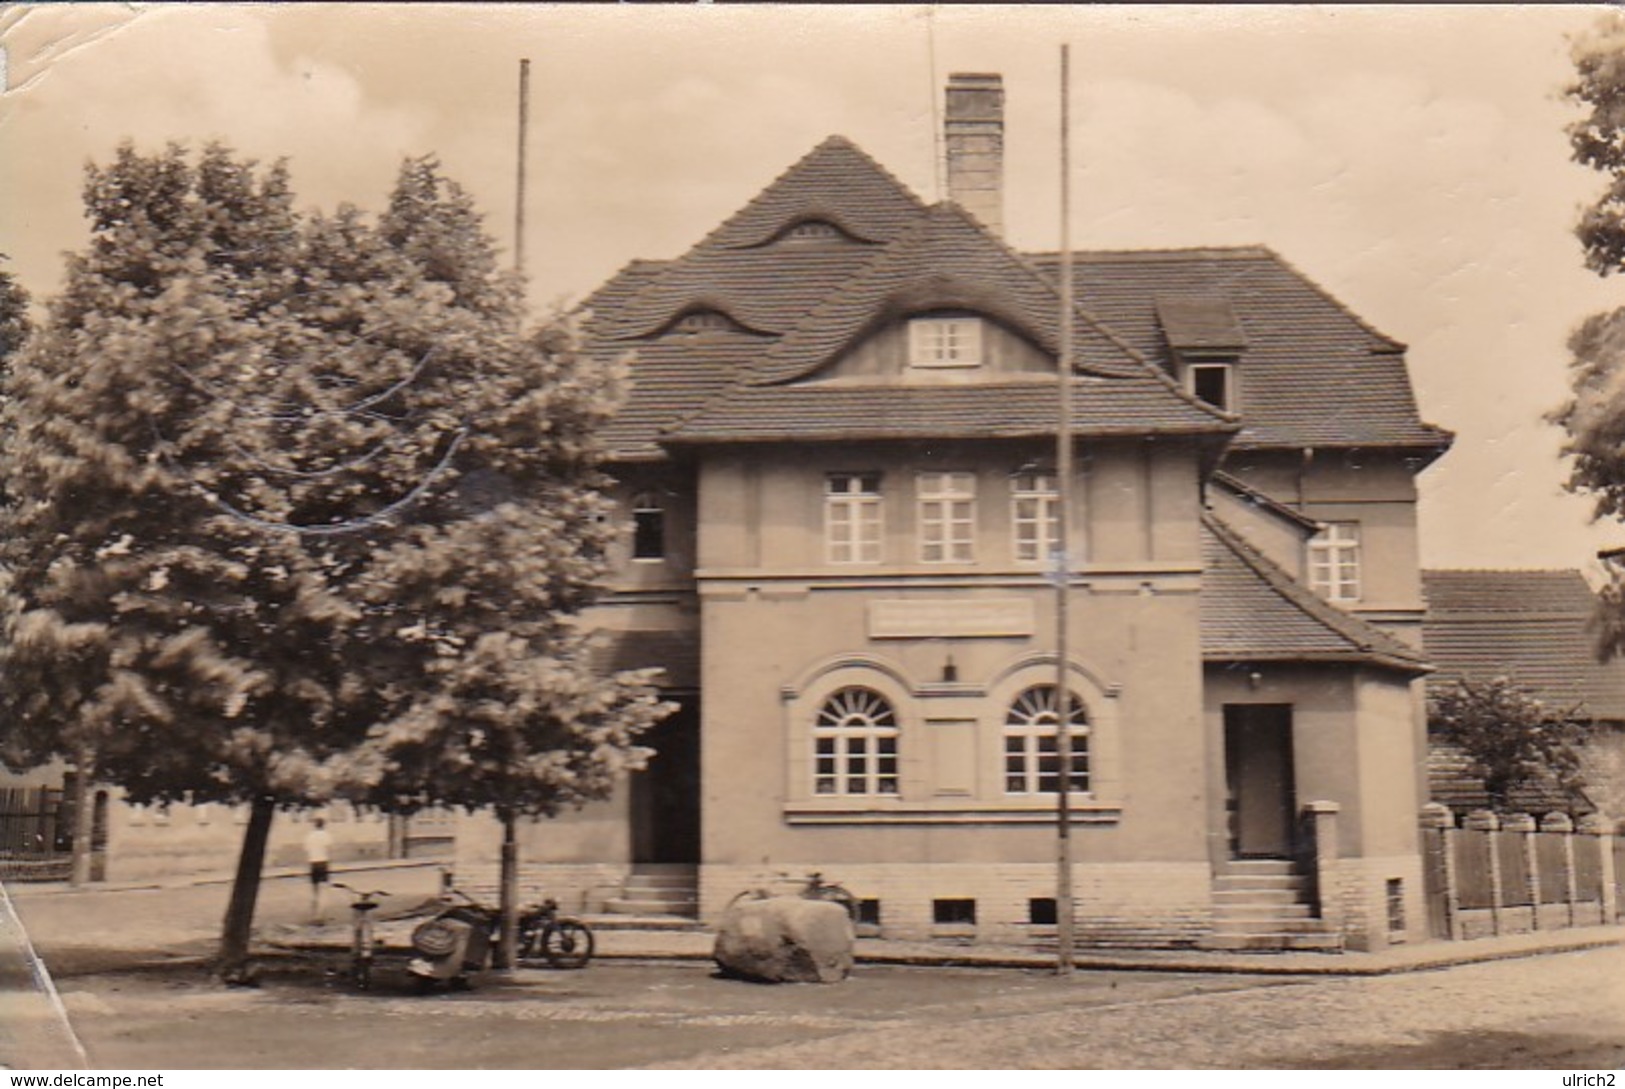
<point x="1260" y="800"/>
<point x="666" y="795"/>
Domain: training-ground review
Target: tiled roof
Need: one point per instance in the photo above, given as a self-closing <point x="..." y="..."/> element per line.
<point x="807" y="298"/>
<point x="945" y="261"/>
<point x="1311" y="373"/>
<point x="1253" y="611"/>
<point x="1252" y="496"/>
<point x="675" y="652"/>
<point x="1457" y="782"/>
<point x="1531" y="626"/>
<point x="841" y="410"/>
<point x="1200" y="322"/>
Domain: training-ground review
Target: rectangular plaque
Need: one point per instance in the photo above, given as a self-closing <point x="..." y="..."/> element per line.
<point x="950" y="618"/>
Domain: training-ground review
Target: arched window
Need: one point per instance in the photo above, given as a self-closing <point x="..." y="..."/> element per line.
<point x="1032" y="760"/>
<point x="855" y="744"/>
<point x="648" y="527"/>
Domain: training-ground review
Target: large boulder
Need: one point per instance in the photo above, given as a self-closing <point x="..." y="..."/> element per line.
<point x="785" y="939"/>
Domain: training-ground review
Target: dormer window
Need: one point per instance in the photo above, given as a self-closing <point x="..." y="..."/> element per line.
<point x="945" y="342"/>
<point x="648" y="527"/>
<point x="705" y="321"/>
<point x="1214" y="383"/>
<point x="813" y="229"/>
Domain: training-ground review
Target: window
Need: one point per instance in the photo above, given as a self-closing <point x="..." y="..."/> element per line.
<point x="813" y="228"/>
<point x="1211" y="383"/>
<point x="1034" y="513"/>
<point x="705" y="321"/>
<point x="1334" y="562"/>
<point x="1032" y="759"/>
<point x="1395" y="891"/>
<point x="1041" y="911"/>
<point x="648" y="527"/>
<point x="852" y="517"/>
<point x="947" y="517"/>
<point x="855" y="745"/>
<point x="953" y="912"/>
<point x="945" y="342"/>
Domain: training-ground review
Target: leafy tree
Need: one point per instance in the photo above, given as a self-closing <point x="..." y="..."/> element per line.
<point x="285" y="489"/>
<point x="14" y="321"/>
<point x="1515" y="739"/>
<point x="1594" y="416"/>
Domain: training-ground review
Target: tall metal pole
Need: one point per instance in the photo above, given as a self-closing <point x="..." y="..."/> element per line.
<point x="507" y="956"/>
<point x="519" y="191"/>
<point x="1065" y="923"/>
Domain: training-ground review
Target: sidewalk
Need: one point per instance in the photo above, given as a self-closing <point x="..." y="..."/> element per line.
<point x="394" y="935"/>
<point x="34" y="1028"/>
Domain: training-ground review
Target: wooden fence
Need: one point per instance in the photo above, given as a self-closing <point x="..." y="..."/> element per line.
<point x="1512" y="874"/>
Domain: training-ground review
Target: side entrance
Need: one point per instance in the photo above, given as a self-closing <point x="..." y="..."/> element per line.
<point x="1260" y="795"/>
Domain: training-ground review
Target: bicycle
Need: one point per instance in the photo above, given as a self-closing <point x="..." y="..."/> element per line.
<point x="363" y="942"/>
<point x="811" y="887"/>
<point x="564" y="942"/>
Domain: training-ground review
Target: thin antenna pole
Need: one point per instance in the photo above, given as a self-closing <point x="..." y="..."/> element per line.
<point x="1064" y="922"/>
<point x="937" y="165"/>
<point x="519" y="191"/>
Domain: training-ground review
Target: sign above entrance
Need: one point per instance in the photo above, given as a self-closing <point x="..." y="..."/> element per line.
<point x="940" y="618"/>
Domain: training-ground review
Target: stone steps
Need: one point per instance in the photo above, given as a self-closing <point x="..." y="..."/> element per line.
<point x="667" y="890"/>
<point x="1265" y="904"/>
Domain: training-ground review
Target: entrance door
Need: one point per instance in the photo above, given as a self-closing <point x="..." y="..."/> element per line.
<point x="1258" y="777"/>
<point x="666" y="794"/>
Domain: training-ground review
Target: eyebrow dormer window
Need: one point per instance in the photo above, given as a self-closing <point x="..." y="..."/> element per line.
<point x="945" y="342"/>
<point x="705" y="321"/>
<point x="1215" y="384"/>
<point x="813" y="228"/>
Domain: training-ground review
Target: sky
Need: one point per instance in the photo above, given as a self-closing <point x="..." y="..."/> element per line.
<point x="1410" y="159"/>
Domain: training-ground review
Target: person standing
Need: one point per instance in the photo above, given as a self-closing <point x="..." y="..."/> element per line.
<point x="318" y="848"/>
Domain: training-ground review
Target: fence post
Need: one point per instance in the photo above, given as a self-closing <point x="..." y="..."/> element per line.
<point x="1439" y="856"/>
<point x="1482" y="820"/>
<point x="1328" y="886"/>
<point x="1560" y="823"/>
<point x="1595" y="824"/>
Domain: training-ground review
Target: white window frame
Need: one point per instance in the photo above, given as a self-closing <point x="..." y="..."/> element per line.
<point x="947" y="516"/>
<point x="1226" y="369"/>
<point x="1029" y="723"/>
<point x="855" y="743"/>
<point x="1035" y="536"/>
<point x="1335" y="562"/>
<point x="936" y="343"/>
<point x="854" y="523"/>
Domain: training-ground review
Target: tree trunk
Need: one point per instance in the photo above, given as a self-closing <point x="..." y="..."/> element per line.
<point x="509" y="900"/>
<point x="83" y="818"/>
<point x="245" y="890"/>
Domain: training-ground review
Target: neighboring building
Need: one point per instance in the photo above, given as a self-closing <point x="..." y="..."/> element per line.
<point x="837" y="471"/>
<point x="1534" y="628"/>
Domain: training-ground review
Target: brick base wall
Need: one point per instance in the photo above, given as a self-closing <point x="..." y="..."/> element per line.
<point x="1120" y="904"/>
<point x="1364" y="884"/>
<point x="580" y="888"/>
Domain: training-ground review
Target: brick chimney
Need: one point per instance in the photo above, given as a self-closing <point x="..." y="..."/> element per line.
<point x="973" y="139"/>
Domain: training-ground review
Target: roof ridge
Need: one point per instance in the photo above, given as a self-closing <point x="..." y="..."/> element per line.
<point x="1249" y="250"/>
<point x="1364" y="636"/>
<point x="1326" y="294"/>
<point x="1503" y="571"/>
<point x="823" y="147"/>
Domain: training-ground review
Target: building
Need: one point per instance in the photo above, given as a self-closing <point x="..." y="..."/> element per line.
<point x="837" y="467"/>
<point x="1534" y="628"/>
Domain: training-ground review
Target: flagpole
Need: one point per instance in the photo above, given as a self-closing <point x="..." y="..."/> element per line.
<point x="1065" y="924"/>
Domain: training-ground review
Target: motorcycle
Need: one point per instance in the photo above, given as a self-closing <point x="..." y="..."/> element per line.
<point x="456" y="944"/>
